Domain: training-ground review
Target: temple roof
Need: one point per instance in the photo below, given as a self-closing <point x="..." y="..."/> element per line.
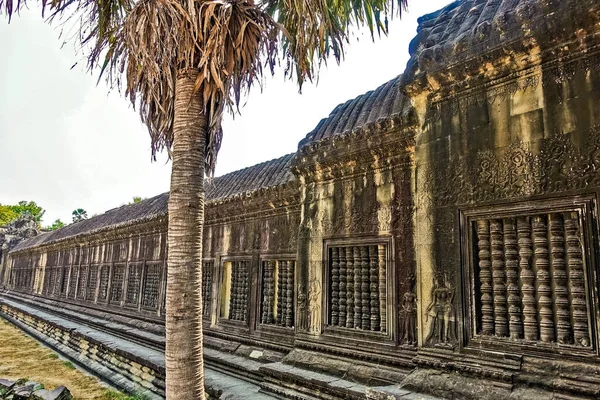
<point x="267" y="174"/>
<point x="384" y="102"/>
<point x="465" y="29"/>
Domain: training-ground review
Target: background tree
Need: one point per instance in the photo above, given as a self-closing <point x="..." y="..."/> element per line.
<point x="185" y="61"/>
<point x="136" y="199"/>
<point x="56" y="225"/>
<point x="11" y="212"/>
<point x="79" y="215"/>
<point x="7" y="215"/>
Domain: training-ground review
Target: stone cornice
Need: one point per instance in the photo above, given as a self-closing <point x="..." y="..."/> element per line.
<point x="378" y="147"/>
<point x="108" y="234"/>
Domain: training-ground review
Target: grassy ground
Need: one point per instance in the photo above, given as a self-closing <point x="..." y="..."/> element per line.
<point x="23" y="357"/>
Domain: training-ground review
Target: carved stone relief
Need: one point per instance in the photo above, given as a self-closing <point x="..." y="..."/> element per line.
<point x="408" y="315"/>
<point x="441" y="313"/>
<point x="515" y="171"/>
<point x="314" y="304"/>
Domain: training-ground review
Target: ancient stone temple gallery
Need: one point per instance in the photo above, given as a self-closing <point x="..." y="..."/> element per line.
<point x="439" y="232"/>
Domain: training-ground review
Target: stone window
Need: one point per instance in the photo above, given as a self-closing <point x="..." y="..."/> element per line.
<point x="529" y="274"/>
<point x="357" y="287"/>
<point x="207" y="279"/>
<point x="64" y="280"/>
<point x="151" y="285"/>
<point x="116" y="283"/>
<point x="234" y="291"/>
<point x="134" y="281"/>
<point x="73" y="281"/>
<point x="92" y="283"/>
<point x="81" y="286"/>
<point x="277" y="288"/>
<point x="103" y="284"/>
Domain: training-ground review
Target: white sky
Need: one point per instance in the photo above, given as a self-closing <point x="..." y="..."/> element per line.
<point x="67" y="143"/>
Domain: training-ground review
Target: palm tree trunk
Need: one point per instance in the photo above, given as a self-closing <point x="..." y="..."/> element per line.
<point x="183" y="355"/>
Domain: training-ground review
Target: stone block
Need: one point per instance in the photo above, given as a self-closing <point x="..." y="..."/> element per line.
<point x="60" y="393"/>
<point x="6" y="384"/>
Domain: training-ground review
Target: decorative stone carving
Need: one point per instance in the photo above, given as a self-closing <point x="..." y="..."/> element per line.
<point x="408" y="311"/>
<point x="281" y="290"/>
<point x="289" y="293"/>
<point x="511" y="255"/>
<point x="314" y="302"/>
<point x="374" y="289"/>
<point x="116" y="287"/>
<point x="515" y="171"/>
<point x="442" y="313"/>
<point x="302" y="309"/>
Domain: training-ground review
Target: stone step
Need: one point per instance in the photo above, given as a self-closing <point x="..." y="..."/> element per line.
<point x="92" y="318"/>
<point x="280" y="376"/>
<point x="127" y="317"/>
<point x="115" y="359"/>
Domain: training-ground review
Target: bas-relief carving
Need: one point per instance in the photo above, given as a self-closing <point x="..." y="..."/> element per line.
<point x="518" y="170"/>
<point x="441" y="313"/>
<point x="408" y="315"/>
<point x="314" y="304"/>
<point x="302" y="309"/>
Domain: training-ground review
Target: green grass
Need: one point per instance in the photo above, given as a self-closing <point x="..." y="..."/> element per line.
<point x="114" y="395"/>
<point x="53" y="356"/>
<point x="69" y="364"/>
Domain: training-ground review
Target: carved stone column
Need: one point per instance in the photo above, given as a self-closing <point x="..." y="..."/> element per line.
<point x="511" y="255"/>
<point x="540" y="251"/>
<point x="485" y="277"/>
<point x="335" y="285"/>
<point x="530" y="324"/>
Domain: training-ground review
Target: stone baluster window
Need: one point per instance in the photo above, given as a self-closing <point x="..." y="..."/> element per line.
<point x="234" y="291"/>
<point x="92" y="283"/>
<point x="82" y="285"/>
<point x="134" y="280"/>
<point x="64" y="280"/>
<point x="277" y="288"/>
<point x="151" y="286"/>
<point x="530" y="278"/>
<point x="116" y="284"/>
<point x="73" y="281"/>
<point x="208" y="268"/>
<point x="358" y="287"/>
<point x="103" y="286"/>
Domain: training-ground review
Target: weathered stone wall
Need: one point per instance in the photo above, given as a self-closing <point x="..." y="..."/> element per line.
<point x="446" y="220"/>
<point x="122" y="269"/>
<point x="253" y="232"/>
<point x="506" y="189"/>
<point x="356" y="256"/>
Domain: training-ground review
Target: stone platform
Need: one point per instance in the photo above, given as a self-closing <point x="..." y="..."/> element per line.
<point x="128" y="353"/>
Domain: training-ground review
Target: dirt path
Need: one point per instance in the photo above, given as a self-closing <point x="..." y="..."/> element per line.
<point x="23" y="357"/>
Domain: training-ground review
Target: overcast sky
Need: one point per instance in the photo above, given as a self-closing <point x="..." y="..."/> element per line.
<point x="67" y="143"/>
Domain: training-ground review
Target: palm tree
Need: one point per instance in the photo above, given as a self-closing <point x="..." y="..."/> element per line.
<point x="79" y="215"/>
<point x="185" y="61"/>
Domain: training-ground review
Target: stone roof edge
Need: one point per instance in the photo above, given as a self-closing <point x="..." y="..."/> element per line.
<point x="404" y="121"/>
<point x="157" y="217"/>
<point x="123" y="225"/>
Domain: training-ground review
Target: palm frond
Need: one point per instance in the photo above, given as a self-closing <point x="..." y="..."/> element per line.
<point x="317" y="29"/>
<point x="222" y="42"/>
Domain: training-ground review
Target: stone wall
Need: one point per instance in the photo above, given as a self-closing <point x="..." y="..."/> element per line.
<point x="444" y="221"/>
